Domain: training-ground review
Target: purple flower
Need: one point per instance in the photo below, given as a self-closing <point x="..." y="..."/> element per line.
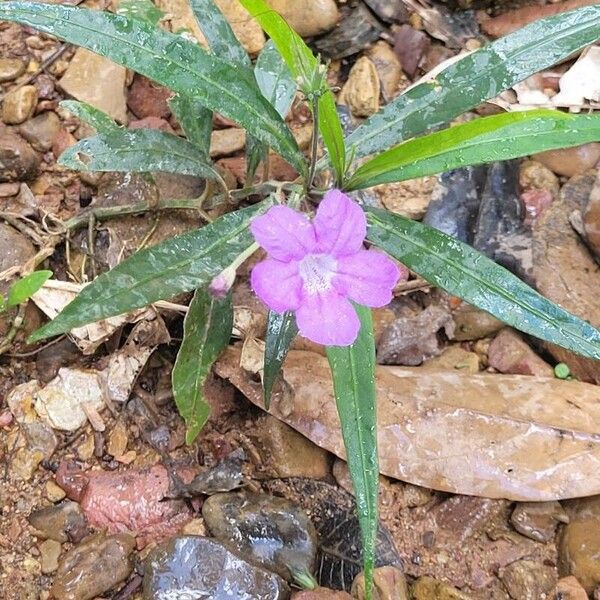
<point x="316" y="268"/>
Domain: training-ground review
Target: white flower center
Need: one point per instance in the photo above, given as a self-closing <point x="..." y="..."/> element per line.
<point x="317" y="271"/>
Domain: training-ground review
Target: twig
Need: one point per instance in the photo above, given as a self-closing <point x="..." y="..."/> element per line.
<point x="37" y="350"/>
<point x="14" y="329"/>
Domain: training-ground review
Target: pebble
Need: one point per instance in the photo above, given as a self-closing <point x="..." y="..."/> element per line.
<point x="41" y="130"/>
<point x="428" y="588"/>
<point x="533" y="174"/>
<point x="24" y="463"/>
<point x="538" y="520"/>
<point x="19" y="105"/>
<point x="226" y="141"/>
<point x="309" y="17"/>
<point x="473" y="324"/>
<point x="117" y="439"/>
<point x="63" y="523"/>
<point x="18" y="160"/>
<point x="93" y="567"/>
<point x="528" y="579"/>
<point x="11" y="68"/>
<point x="211" y="570"/>
<point x="20" y="399"/>
<point x="591" y="219"/>
<point x="509" y="353"/>
<point x="361" y="92"/>
<point x="54" y="492"/>
<point x="148" y="99"/>
<point x="270" y="531"/>
<point x="571" y="161"/>
<point x="389" y="69"/>
<point x="568" y="588"/>
<point x="410" y="46"/>
<point x="389" y="583"/>
<point x="454" y="357"/>
<point x="7" y="190"/>
<point x="409" y="199"/>
<point x="50" y="552"/>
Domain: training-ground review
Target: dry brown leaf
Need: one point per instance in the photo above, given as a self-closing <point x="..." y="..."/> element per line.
<point x="497" y="436"/>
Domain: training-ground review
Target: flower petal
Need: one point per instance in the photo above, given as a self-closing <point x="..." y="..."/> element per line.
<point x="277" y="284"/>
<point x="367" y="277"/>
<point x="340" y="224"/>
<point x="328" y="319"/>
<point x="284" y="233"/>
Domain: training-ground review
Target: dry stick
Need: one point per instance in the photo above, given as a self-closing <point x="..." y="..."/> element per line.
<point x="14" y="329"/>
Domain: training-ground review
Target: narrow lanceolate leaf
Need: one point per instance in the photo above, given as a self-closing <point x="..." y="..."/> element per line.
<point x="168" y="59"/>
<point x="26" y="287"/>
<point x="353" y="372"/>
<point x="477" y="77"/>
<point x="462" y="271"/>
<point x="304" y="65"/>
<point x="137" y="150"/>
<point x="143" y="10"/>
<point x="206" y="332"/>
<point x="281" y="331"/>
<point x="195" y="120"/>
<point x="179" y="264"/>
<point x="489" y="139"/>
<point x="218" y="33"/>
<point x="97" y="119"/>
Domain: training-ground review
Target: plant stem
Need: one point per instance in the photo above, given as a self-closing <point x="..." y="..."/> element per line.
<point x="314" y="145"/>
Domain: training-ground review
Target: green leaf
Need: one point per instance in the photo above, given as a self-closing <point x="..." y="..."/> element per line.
<point x="97" y="119"/>
<point x="179" y="264"/>
<point x="24" y="288"/>
<point x="143" y="10"/>
<point x="462" y="271"/>
<point x="281" y="331"/>
<point x="195" y="120"/>
<point x="218" y="33"/>
<point x="353" y="372"/>
<point x="206" y="332"/>
<point x="168" y="59"/>
<point x="477" y="77"/>
<point x="501" y="137"/>
<point x="305" y="67"/>
<point x="137" y="150"/>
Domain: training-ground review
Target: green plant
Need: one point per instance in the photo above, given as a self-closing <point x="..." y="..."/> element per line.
<point x="257" y="98"/>
<point x="22" y="289"/>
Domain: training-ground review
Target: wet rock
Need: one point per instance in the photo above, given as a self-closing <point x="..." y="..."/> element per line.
<point x="11" y="68"/>
<point x="452" y="358"/>
<point x="98" y="81"/>
<point x="41" y="130"/>
<point x="148" y="99"/>
<point x="428" y="588"/>
<point x="62" y="523"/>
<point x="411" y="340"/>
<point x="528" y="580"/>
<point x="389" y="583"/>
<point x="388" y="69"/>
<point x="571" y="161"/>
<point x="321" y="593"/>
<point x="50" y="552"/>
<point x="93" y="567"/>
<point x="226" y="141"/>
<point x="286" y="453"/>
<point x="61" y="402"/>
<point x="558" y="248"/>
<point x="308" y="18"/>
<point x="361" y="91"/>
<point x="568" y="588"/>
<point x="18" y="160"/>
<point x="579" y="546"/>
<point x="19" y="105"/>
<point x="473" y="324"/>
<point x="270" y="531"/>
<point x="357" y="29"/>
<point x="201" y="567"/>
<point x="538" y="520"/>
<point x="509" y="353"/>
<point x="410" y="46"/>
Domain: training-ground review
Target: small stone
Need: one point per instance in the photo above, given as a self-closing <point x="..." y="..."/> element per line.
<point x="19" y="104"/>
<point x="428" y="588"/>
<point x="98" y="81"/>
<point x="473" y="324"/>
<point x="195" y="527"/>
<point x="321" y="593"/>
<point x="568" y="588"/>
<point x="18" y="160"/>
<point x="40" y="437"/>
<point x="571" y="161"/>
<point x="538" y="520"/>
<point x="226" y="141"/>
<point x="389" y="69"/>
<point x="528" y="579"/>
<point x="25" y="462"/>
<point x="41" y="130"/>
<point x="309" y="17"/>
<point x="591" y="218"/>
<point x="410" y="46"/>
<point x="93" y="567"/>
<point x="389" y="583"/>
<point x="453" y="358"/>
<point x="62" y="523"/>
<point x="273" y="532"/>
<point x="85" y="450"/>
<point x="361" y="91"/>
<point x="212" y="571"/>
<point x="117" y="439"/>
<point x="50" y="552"/>
<point x="533" y="174"/>
<point x="509" y="353"/>
<point x="63" y="140"/>
<point x="11" y="68"/>
<point x="21" y="398"/>
<point x="54" y="492"/>
<point x="148" y="99"/>
<point x="407" y="198"/>
<point x="7" y="190"/>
